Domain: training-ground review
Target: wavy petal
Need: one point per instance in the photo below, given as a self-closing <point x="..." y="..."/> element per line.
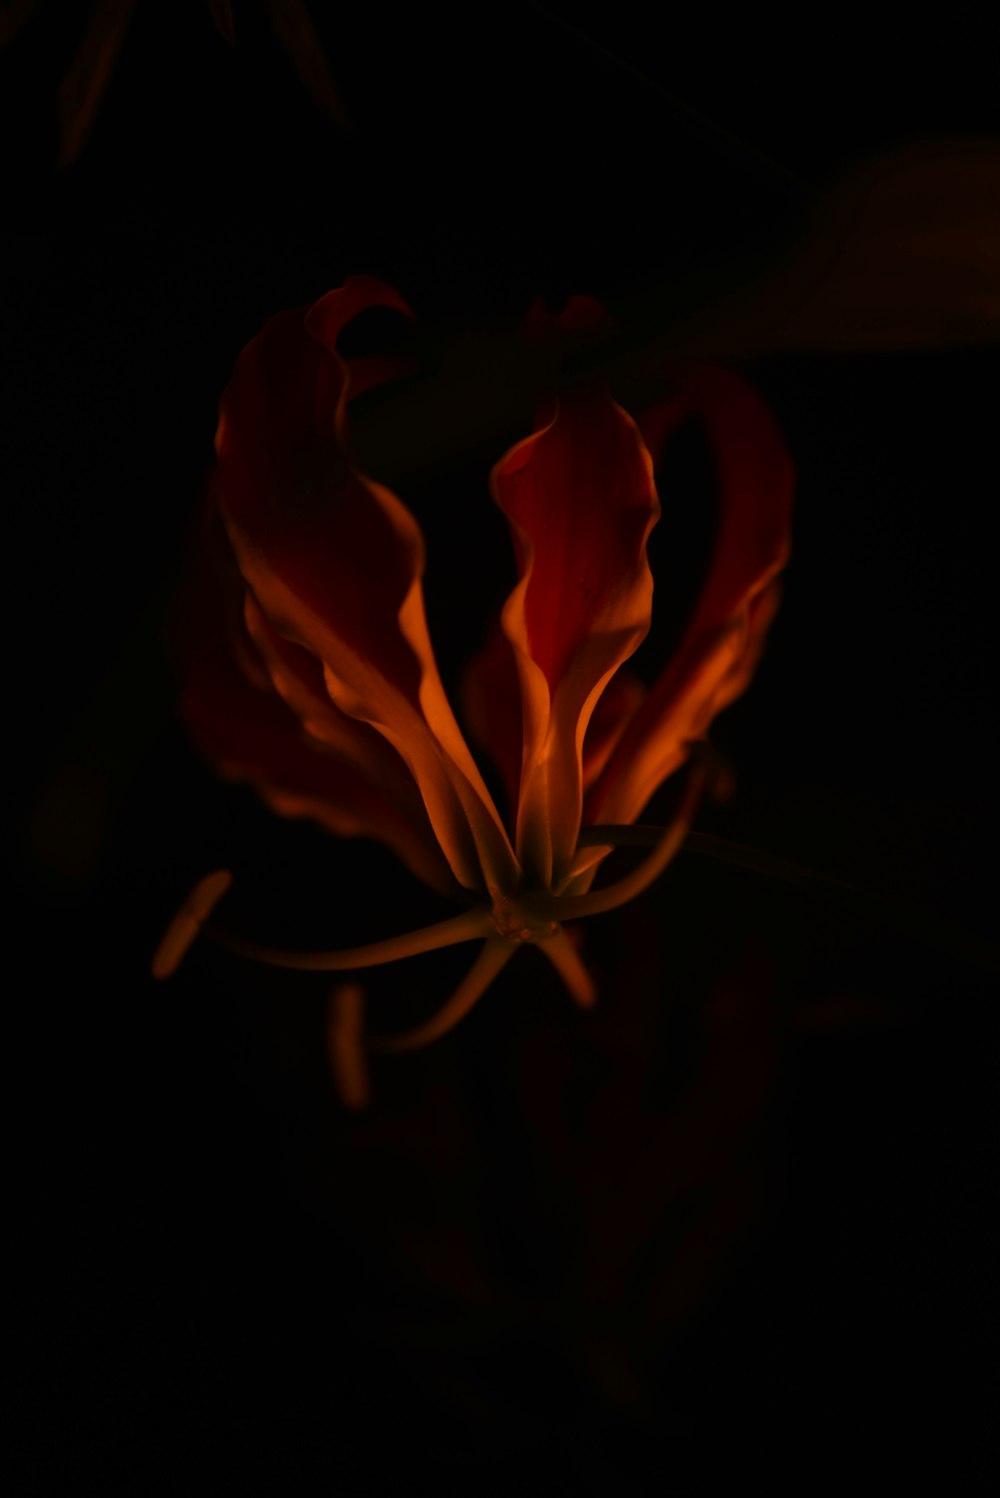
<point x="335" y="560"/>
<point x="581" y="501"/>
<point x="491" y="709"/>
<point x="350" y="781"/>
<point x="620" y="701"/>
<point x="298" y="678"/>
<point x="724" y="638"/>
<point x="253" y="736"/>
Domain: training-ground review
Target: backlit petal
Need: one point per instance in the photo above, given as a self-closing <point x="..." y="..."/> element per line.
<point x="491" y="709"/>
<point x="251" y="735"/>
<point x="619" y="702"/>
<point x="334" y="560"/>
<point x="725" y="636"/>
<point x="298" y="678"/>
<point x="580" y="498"/>
<point x="352" y="782"/>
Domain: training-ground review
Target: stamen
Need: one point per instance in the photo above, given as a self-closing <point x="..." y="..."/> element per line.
<point x="572" y="907"/>
<point x="494" y="956"/>
<point x="347" y="1057"/>
<point x="472" y="925"/>
<point x="188" y="922"/>
<point x="565" y="959"/>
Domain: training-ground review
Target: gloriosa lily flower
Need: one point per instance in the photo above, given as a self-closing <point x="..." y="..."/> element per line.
<point x="311" y="674"/>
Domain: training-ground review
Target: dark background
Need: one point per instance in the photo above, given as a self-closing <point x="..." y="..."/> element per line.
<point x="223" y="1269"/>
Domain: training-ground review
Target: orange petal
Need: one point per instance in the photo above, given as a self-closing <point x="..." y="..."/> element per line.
<point x="298" y="678"/>
<point x="242" y="725"/>
<point x="335" y="560"/>
<point x="253" y="736"/>
<point x="580" y="498"/>
<point x="491" y="708"/>
<point x="725" y="636"/>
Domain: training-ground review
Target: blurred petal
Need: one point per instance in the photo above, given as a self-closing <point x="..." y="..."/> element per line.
<point x="617" y="706"/>
<point x="901" y="253"/>
<point x="580" y="498"/>
<point x="335" y="560"/>
<point x="295" y="31"/>
<point x="13" y="15"/>
<point x="82" y="89"/>
<point x="724" y="637"/>
<point x="581" y="319"/>
<point x="904" y="253"/>
<point x="222" y="17"/>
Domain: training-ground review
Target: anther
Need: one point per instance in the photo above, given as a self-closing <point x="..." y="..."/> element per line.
<point x="188" y="921"/>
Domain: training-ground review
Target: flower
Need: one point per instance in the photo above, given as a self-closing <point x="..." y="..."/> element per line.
<point x="310" y="670"/>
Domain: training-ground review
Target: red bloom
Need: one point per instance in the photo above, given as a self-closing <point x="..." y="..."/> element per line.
<point x="320" y="686"/>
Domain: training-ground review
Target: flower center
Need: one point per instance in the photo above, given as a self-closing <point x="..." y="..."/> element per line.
<point x="517" y="925"/>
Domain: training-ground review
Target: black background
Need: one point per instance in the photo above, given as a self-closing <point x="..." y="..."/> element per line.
<point x="224" y="1272"/>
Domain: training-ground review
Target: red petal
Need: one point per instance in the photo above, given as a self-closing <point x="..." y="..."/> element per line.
<point x="250" y="734"/>
<point x="491" y="691"/>
<point x="253" y="737"/>
<point x="580" y="498"/>
<point x="491" y="707"/>
<point x="335" y="560"/>
<point x="725" y="636"/>
<point x="619" y="703"/>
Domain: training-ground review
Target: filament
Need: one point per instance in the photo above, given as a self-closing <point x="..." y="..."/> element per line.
<point x="494" y="956"/>
<point x="564" y="958"/>
<point x="347" y="1057"/>
<point x="189" y="921"/>
<point x="472" y="925"/>
<point x="598" y="901"/>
